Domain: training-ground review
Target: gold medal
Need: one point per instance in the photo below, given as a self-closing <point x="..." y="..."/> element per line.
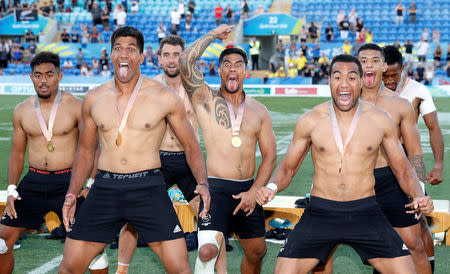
<point x="50" y="146"/>
<point x="236" y="141"/>
<point x="119" y="139"/>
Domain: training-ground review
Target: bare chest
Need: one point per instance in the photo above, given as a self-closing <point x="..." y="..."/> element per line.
<point x="65" y="122"/>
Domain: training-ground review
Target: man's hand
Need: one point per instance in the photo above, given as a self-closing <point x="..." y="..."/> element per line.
<point x="222" y="31"/>
<point x="203" y="190"/>
<point x="84" y="192"/>
<point x="420" y="205"/>
<point x="264" y="195"/>
<point x="435" y="176"/>
<point x="248" y="202"/>
<point x="12" y="196"/>
<point x="68" y="210"/>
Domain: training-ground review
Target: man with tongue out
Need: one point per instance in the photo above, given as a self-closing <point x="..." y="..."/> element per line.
<point x="232" y="124"/>
<point x="128" y="116"/>
<point x="390" y="196"/>
<point x="344" y="136"/>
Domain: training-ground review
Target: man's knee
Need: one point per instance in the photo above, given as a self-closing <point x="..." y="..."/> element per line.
<point x="256" y="254"/>
<point x="207" y="252"/>
<point x="3" y="247"/>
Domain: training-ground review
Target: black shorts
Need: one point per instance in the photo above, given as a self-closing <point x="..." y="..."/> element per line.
<point x="360" y="224"/>
<point x="41" y="192"/>
<point x="176" y="171"/>
<point x="138" y="198"/>
<point x="220" y="216"/>
<point x="391" y="198"/>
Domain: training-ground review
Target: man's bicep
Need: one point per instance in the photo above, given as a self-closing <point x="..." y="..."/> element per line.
<point x="191" y="75"/>
<point x="267" y="142"/>
<point x="299" y="145"/>
<point x="88" y="128"/>
<point x="431" y="120"/>
<point x="19" y="138"/>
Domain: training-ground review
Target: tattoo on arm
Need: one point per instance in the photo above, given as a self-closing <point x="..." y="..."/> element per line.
<point x="221" y="109"/>
<point x="418" y="165"/>
<point x="191" y="74"/>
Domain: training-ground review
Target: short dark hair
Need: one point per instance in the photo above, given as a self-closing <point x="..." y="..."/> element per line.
<point x="128" y="32"/>
<point x="229" y="51"/>
<point x="370" y="47"/>
<point x="45" y="57"/>
<point x="392" y="55"/>
<point x="173" y="40"/>
<point x="346" y="59"/>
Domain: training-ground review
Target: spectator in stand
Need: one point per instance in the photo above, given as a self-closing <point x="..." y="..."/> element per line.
<point x="437" y="56"/>
<point x="45" y="9"/>
<point x="425" y="35"/>
<point x="95" y="35"/>
<point x="255" y="47"/>
<point x="212" y="68"/>
<point x="105" y="18"/>
<point x="181" y="9"/>
<point x="121" y="17"/>
<point x="340" y="17"/>
<point x="259" y="10"/>
<point x="29" y="36"/>
<point x="409" y="58"/>
<point x="422" y="50"/>
<point x="292" y="70"/>
<point x="344" y="26"/>
<point x="413" y="13"/>
<point x="312" y="32"/>
<point x="429" y="74"/>
<point x="324" y="68"/>
<point x="329" y="32"/>
<point x="104" y="62"/>
<point x="281" y="72"/>
<point x="32" y="47"/>
<point x="188" y="23"/>
<point x="323" y="59"/>
<point x="191" y="7"/>
<point x="95" y="65"/>
<point x="84" y="70"/>
<point x="361" y="37"/>
<point x="244" y="9"/>
<point x="134" y="6"/>
<point x="79" y="58"/>
<point x="88" y="5"/>
<point x="346" y="48"/>
<point x="410" y="73"/>
<point x="175" y="20"/>
<point x="359" y="25"/>
<point x="25" y="5"/>
<point x="149" y="56"/>
<point x="75" y="38"/>
<point x="291" y="61"/>
<point x="96" y="13"/>
<point x="352" y="18"/>
<point x="124" y="5"/>
<point x="304" y="49"/>
<point x="161" y="31"/>
<point x="369" y="36"/>
<point x="68" y="65"/>
<point x="218" y="14"/>
<point x="400" y="14"/>
<point x="308" y="71"/>
<point x="4" y="54"/>
<point x="301" y="63"/>
<point x="229" y="14"/>
<point x="60" y="4"/>
<point x="280" y="51"/>
<point x="315" y="51"/>
<point x="436" y="37"/>
<point x="447" y="69"/>
<point x="397" y="44"/>
<point x="105" y="72"/>
<point x="85" y="36"/>
<point x="10" y="8"/>
<point x="292" y="50"/>
<point x="203" y="66"/>
<point x="420" y="73"/>
<point x="303" y="35"/>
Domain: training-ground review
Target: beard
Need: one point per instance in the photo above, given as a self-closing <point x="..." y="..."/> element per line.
<point x="172" y="75"/>
<point x="230" y="91"/>
<point x="44" y="96"/>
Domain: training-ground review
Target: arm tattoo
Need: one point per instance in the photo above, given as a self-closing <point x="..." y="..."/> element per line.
<point x="221" y="109"/>
<point x="418" y="165"/>
<point x="190" y="74"/>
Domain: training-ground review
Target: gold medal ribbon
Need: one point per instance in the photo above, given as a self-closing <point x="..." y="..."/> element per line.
<point x="48" y="132"/>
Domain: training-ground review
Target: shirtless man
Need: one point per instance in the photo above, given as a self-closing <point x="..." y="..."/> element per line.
<point x="129" y="186"/>
<point x="389" y="195"/>
<point x="230" y="146"/>
<point x="420" y="98"/>
<point x="343" y="207"/>
<point x="48" y="125"/>
<point x="173" y="160"/>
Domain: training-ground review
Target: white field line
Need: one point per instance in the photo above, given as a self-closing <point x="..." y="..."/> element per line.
<point x="47" y="266"/>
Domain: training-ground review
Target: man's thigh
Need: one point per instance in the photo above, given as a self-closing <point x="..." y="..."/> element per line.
<point x="400" y="265"/>
<point x="78" y="255"/>
<point x="291" y="265"/>
<point x="173" y="255"/>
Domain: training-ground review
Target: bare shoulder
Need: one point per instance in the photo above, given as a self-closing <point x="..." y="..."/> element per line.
<point x="23" y="107"/>
<point x="93" y="94"/>
<point x="260" y="108"/>
<point x="70" y="98"/>
<point x="158" y="78"/>
<point x="377" y="116"/>
<point x="312" y="117"/>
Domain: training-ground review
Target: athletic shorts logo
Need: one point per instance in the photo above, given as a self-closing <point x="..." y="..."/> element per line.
<point x="404" y="247"/>
<point x="4" y="215"/>
<point x="106" y="176"/>
<point x="207" y="220"/>
<point x="177" y="229"/>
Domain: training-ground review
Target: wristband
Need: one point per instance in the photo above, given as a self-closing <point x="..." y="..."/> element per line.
<point x="11" y="191"/>
<point x="204" y="184"/>
<point x="71" y="195"/>
<point x="422" y="185"/>
<point x="272" y="187"/>
<point x="90" y="182"/>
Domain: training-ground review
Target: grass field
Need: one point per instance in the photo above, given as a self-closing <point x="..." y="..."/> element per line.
<point x="37" y="251"/>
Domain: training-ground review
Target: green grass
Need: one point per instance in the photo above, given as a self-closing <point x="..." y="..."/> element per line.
<point x="36" y="250"/>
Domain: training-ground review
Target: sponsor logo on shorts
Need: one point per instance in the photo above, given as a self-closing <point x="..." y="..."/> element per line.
<point x="177" y="229"/>
<point x="71" y="225"/>
<point x="284" y="244"/>
<point x="207" y="220"/>
<point x="404" y="247"/>
<point x="106" y="176"/>
<point x="4" y="215"/>
<point x="116" y="176"/>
